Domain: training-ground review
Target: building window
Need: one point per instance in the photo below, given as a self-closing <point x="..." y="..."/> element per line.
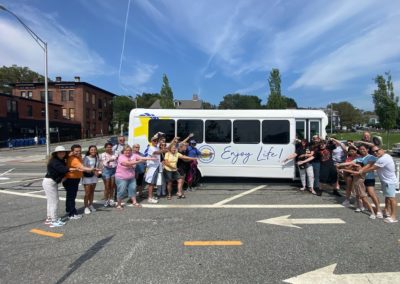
<point x="56" y="114"/>
<point x="99" y="103"/>
<point x="29" y="111"/>
<point x="93" y="99"/>
<point x="42" y="96"/>
<point x="64" y="113"/>
<point x="93" y="114"/>
<point x="87" y="97"/>
<point x="100" y="116"/>
<point x="71" y="113"/>
<point x="30" y="94"/>
<point x="43" y="112"/>
<point x="11" y="106"/>
<point x="87" y="114"/>
<point x="23" y="94"/>
<point x="71" y="95"/>
<point x="63" y="96"/>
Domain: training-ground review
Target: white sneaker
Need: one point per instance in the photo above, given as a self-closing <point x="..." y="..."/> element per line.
<point x="56" y="223"/>
<point x="87" y="210"/>
<point x="372" y="216"/>
<point x="75" y="217"/>
<point x="47" y="221"/>
<point x="106" y="204"/>
<point x="358" y="210"/>
<point x="91" y="207"/>
<point x="379" y="215"/>
<point x="346" y="203"/>
<point x="152" y="200"/>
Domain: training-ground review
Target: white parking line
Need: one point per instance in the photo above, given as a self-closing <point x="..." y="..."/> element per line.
<point x="37" y="191"/>
<point x="6" y="172"/>
<point x="206" y="206"/>
<point x="21" y="181"/>
<point x="239" y="195"/>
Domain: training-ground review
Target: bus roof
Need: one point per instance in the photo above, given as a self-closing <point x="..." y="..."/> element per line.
<point x="233" y="113"/>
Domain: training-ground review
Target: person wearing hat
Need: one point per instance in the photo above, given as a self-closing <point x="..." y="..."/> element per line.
<point x="56" y="169"/>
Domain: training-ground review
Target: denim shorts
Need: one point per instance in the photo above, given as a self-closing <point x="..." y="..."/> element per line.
<point x="389" y="190"/>
<point x="171" y="175"/>
<point x="108" y="173"/>
<point x="125" y="184"/>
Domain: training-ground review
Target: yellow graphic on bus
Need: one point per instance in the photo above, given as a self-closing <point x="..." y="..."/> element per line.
<point x="143" y="128"/>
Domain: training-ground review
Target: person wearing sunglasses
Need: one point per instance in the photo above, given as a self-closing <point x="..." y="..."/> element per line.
<point x="386" y="171"/>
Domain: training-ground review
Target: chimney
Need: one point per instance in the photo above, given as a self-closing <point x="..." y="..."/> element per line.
<point x="58" y="79"/>
<point x="195" y="97"/>
<point x="77" y="79"/>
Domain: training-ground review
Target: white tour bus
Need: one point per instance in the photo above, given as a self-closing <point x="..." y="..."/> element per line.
<point x="242" y="143"/>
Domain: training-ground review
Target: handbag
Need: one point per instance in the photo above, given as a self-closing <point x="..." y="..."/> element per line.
<point x="88" y="175"/>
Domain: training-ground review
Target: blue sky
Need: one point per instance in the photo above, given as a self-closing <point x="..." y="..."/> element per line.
<point x="327" y="51"/>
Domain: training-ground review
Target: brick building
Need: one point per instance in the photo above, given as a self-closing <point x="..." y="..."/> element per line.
<point x="22" y="117"/>
<point x="81" y="102"/>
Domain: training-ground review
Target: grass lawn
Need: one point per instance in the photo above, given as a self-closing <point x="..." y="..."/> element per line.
<point x="394" y="137"/>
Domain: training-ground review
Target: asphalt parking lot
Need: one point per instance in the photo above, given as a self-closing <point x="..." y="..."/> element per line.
<point x="242" y="231"/>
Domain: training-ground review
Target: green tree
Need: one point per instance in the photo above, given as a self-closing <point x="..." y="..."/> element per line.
<point x="122" y="106"/>
<point x="349" y="115"/>
<point x="207" y="105"/>
<point x="145" y="100"/>
<point x="15" y="74"/>
<point x="386" y="103"/>
<point x="275" y="99"/>
<point x="290" y="102"/>
<point x="238" y="101"/>
<point x="167" y="97"/>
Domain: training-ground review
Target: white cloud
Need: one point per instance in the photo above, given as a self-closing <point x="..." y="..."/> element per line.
<point x="253" y="87"/>
<point x="68" y="54"/>
<point x="356" y="58"/>
<point x="210" y="75"/>
<point x="137" y="79"/>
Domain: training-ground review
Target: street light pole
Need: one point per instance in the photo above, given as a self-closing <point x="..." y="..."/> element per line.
<point x="331" y="117"/>
<point x="43" y="45"/>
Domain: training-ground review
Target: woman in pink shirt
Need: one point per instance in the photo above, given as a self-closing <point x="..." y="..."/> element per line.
<point x="125" y="175"/>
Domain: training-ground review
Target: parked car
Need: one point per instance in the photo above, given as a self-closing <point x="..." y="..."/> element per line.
<point x="396" y="149"/>
<point x="113" y="140"/>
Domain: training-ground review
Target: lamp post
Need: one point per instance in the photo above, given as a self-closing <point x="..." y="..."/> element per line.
<point x="43" y="45"/>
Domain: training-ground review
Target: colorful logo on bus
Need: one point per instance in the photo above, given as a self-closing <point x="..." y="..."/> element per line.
<point x="208" y="154"/>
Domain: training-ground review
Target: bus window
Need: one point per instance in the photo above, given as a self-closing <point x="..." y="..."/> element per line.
<point x="275" y="131"/>
<point x="218" y="131"/>
<point x="166" y="126"/>
<point x="246" y="131"/>
<point x="187" y="126"/>
<point x="314" y="128"/>
<point x="300" y="129"/>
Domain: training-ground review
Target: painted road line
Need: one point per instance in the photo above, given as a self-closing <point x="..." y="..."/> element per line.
<point x="325" y="275"/>
<point x="205" y="206"/>
<point x="212" y="243"/>
<point x="239" y="195"/>
<point x="37" y="191"/>
<point x="4" y="178"/>
<point x="45" y="233"/>
<point x="286" y="222"/>
<point x="20" y="181"/>
<point x="6" y="172"/>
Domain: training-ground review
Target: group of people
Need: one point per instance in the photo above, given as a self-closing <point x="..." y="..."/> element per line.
<point x="124" y="170"/>
<point x="325" y="161"/>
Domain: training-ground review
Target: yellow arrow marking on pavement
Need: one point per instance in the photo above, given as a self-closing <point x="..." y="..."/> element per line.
<point x="45" y="233"/>
<point x="213" y="243"/>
